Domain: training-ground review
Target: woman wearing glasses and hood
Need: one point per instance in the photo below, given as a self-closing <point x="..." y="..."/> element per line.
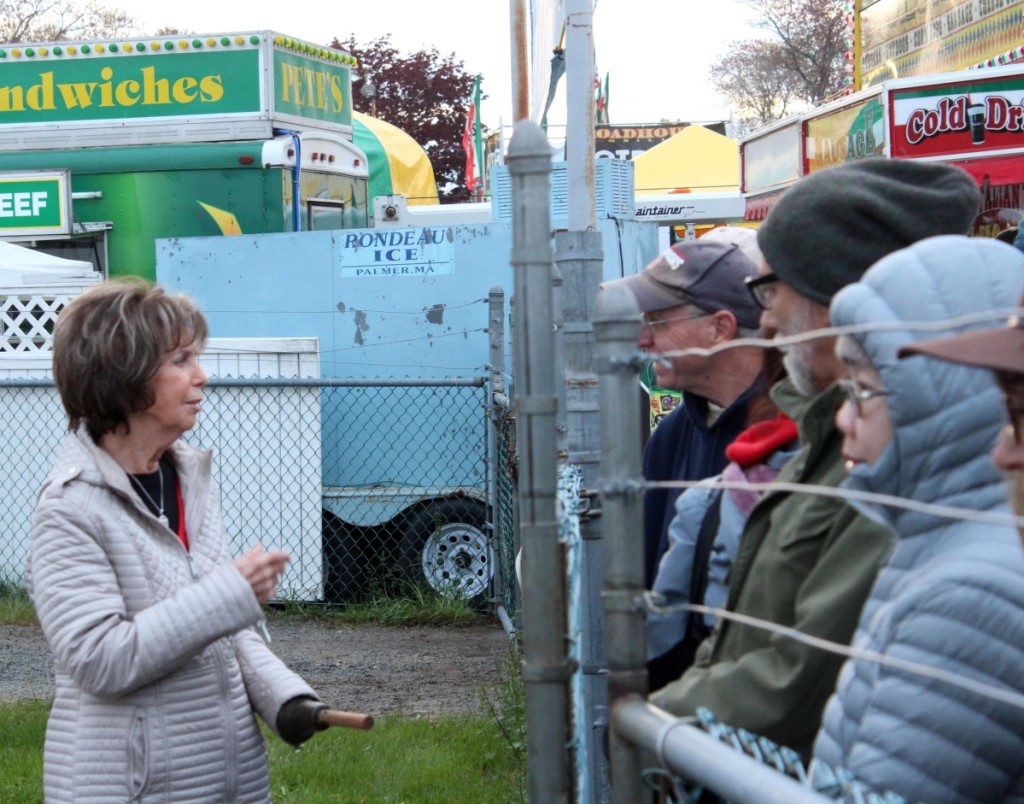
<point x="951" y="593"/>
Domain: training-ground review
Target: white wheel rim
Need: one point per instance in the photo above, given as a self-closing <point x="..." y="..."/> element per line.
<point x="457" y="559"/>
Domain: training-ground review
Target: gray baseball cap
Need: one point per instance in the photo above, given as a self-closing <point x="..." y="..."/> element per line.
<point x="707" y="274"/>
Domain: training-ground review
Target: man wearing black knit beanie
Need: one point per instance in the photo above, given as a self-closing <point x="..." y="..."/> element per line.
<point x="806" y="561"/>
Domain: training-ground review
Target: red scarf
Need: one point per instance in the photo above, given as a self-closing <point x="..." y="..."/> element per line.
<point x="182" y="533"/>
<point x="760" y="440"/>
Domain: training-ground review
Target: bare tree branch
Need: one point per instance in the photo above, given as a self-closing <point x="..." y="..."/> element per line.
<point x="800" y="63"/>
<point x="60" y="20"/>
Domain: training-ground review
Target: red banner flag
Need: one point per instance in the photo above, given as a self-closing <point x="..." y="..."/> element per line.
<point x="471" y="139"/>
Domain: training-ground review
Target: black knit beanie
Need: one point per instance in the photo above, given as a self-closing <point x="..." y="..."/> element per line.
<point x="831" y="226"/>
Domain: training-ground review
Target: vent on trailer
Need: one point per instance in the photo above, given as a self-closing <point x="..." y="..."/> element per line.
<point x="613" y="190"/>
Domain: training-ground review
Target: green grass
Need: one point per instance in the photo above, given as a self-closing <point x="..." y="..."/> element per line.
<point x="410" y="606"/>
<point x="476" y="760"/>
<point x="15" y="607"/>
<point x="394" y="605"/>
<point x="22" y="729"/>
<point x="400" y="760"/>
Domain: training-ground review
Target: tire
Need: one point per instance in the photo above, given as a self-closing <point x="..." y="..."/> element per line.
<point x="344" y="560"/>
<point x="446" y="544"/>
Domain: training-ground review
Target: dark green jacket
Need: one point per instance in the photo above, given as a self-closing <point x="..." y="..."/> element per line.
<point x="805" y="561"/>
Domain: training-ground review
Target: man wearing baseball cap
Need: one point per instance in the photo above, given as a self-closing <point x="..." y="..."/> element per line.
<point x="808" y="561"/>
<point x="693" y="295"/>
<point x="1000" y="350"/>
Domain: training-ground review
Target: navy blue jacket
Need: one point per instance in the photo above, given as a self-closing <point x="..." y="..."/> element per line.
<point x="683" y="447"/>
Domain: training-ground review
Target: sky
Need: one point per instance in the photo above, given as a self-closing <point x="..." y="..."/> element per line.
<point x="656" y="52"/>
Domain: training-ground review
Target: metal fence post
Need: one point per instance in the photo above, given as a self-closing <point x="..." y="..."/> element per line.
<point x="579" y="256"/>
<point x="496" y="363"/>
<point x="546" y="668"/>
<point x="616" y="323"/>
<point x="496" y="333"/>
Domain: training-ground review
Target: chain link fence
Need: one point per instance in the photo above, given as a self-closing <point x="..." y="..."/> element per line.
<point x="372" y="485"/>
<point x="506" y="490"/>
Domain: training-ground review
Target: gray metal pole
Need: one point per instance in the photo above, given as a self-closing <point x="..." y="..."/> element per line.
<point x="519" y="25"/>
<point x="579" y="121"/>
<point x="546" y="667"/>
<point x="691" y="752"/>
<point x="580" y="261"/>
<point x="496" y="337"/>
<point x="616" y="323"/>
<point x="496" y="359"/>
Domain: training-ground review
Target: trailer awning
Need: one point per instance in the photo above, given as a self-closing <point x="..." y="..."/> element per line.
<point x="398" y="165"/>
<point x="758" y="206"/>
<point x="995" y="169"/>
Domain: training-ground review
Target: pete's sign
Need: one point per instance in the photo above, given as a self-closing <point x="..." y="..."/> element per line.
<point x="967" y="119"/>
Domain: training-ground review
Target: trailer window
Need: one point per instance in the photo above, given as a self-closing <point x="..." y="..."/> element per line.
<point x="324" y="213"/>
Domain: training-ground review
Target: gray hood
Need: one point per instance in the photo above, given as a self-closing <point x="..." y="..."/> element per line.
<point x="946" y="417"/>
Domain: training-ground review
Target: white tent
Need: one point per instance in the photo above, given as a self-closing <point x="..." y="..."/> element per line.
<point x="34" y="288"/>
<point x="23" y="267"/>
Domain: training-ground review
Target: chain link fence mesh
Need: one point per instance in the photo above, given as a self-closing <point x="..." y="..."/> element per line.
<point x="372" y="485"/>
<point x="505" y="496"/>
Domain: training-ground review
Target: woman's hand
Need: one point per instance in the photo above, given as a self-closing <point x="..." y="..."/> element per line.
<point x="262" y="570"/>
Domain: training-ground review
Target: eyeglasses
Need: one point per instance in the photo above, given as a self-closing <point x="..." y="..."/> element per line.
<point x="1013" y="395"/>
<point x="762" y="288"/>
<point x="1015" y="412"/>
<point x="857" y="394"/>
<point x="651" y="323"/>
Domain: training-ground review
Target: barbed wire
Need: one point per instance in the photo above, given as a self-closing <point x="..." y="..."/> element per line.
<point x="353" y="309"/>
<point x="850" y="495"/>
<point x="651" y="602"/>
<point x="1003" y="315"/>
<point x="431" y="337"/>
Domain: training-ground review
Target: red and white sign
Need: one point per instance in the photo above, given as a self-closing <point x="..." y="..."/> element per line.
<point x="965" y="118"/>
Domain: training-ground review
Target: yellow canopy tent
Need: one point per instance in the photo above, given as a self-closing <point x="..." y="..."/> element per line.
<point x="397" y="164"/>
<point x="695" y="160"/>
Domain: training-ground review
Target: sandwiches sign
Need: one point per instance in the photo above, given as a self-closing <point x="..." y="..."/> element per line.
<point x="160" y="80"/>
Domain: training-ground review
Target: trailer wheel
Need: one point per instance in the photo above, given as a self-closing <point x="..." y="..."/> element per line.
<point x="344" y="560"/>
<point x="447" y="544"/>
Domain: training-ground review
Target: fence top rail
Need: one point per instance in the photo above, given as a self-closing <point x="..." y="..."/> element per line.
<point x="295" y="382"/>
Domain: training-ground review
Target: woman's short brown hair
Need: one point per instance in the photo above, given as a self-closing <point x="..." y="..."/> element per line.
<point x="108" y="345"/>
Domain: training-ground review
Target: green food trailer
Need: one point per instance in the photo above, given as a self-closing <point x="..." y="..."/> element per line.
<point x="108" y="145"/>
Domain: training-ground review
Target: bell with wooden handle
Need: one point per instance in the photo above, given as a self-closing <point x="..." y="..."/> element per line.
<point x="349" y="720"/>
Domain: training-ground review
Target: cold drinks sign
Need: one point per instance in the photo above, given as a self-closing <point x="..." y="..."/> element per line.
<point x="958" y="118"/>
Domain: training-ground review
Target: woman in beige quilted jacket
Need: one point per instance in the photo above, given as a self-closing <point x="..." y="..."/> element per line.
<point x="158" y="667"/>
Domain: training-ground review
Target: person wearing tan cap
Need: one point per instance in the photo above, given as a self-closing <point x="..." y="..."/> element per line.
<point x="949" y="595"/>
<point x="693" y="295"/>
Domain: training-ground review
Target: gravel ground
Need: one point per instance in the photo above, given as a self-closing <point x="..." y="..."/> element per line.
<point x="378" y="670"/>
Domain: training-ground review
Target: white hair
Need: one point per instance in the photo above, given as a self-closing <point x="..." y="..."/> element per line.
<point x="744" y="238"/>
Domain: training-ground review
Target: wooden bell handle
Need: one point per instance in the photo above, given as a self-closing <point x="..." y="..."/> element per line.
<point x="349" y="720"/>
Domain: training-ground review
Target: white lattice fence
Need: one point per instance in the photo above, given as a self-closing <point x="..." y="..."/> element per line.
<point x="28" y="312"/>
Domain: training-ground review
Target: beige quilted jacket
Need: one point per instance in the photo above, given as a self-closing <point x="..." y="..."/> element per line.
<point x="158" y="669"/>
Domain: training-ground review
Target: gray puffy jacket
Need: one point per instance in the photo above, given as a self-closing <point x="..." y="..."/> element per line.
<point x="157" y="668"/>
<point x="951" y="596"/>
